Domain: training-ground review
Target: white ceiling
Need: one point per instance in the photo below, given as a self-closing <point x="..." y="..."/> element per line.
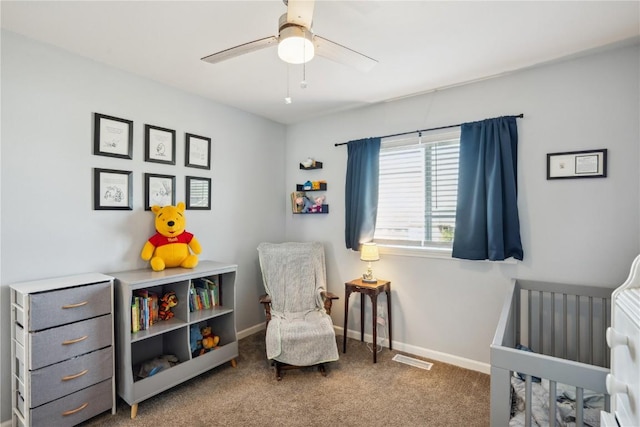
<point x="420" y="45"/>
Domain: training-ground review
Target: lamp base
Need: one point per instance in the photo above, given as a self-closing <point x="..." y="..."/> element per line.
<point x="368" y="277"/>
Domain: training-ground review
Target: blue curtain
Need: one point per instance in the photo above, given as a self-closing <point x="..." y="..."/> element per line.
<point x="487" y="223"/>
<point x="361" y="191"/>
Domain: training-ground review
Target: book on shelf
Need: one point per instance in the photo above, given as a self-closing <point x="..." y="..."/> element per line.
<point x="144" y="310"/>
<point x="204" y="294"/>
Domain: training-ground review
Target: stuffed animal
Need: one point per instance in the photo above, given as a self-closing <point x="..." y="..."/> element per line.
<point x="195" y="340"/>
<point x="168" y="301"/>
<point x="171" y="246"/>
<point x="209" y="341"/>
<point x="304" y="204"/>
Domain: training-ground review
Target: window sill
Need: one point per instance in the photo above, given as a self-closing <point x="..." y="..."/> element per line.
<point x="422" y="252"/>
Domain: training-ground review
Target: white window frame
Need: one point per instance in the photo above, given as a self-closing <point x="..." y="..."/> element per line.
<point x="432" y="251"/>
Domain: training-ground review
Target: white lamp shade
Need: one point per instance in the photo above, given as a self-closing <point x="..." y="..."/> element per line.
<point x="369" y="252"/>
<point x="295" y="46"/>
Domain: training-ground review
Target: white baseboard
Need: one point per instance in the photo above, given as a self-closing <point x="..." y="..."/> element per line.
<point x="451" y="359"/>
<point x="6" y="423"/>
<point x="246" y="332"/>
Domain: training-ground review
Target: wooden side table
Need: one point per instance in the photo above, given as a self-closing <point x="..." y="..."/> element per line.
<point x="373" y="290"/>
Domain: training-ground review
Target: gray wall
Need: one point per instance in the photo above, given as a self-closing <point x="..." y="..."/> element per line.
<point x="579" y="230"/>
<point x="48" y="221"/>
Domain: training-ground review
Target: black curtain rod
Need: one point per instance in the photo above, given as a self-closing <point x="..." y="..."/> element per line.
<point x="423" y="130"/>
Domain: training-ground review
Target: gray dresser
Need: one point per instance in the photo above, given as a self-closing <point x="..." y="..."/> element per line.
<point x="62" y="347"/>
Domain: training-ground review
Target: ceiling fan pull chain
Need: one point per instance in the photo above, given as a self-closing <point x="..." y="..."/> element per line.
<point x="303" y="83"/>
<point x="287" y="99"/>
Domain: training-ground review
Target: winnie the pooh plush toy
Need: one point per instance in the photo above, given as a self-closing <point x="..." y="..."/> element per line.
<point x="171" y="246"/>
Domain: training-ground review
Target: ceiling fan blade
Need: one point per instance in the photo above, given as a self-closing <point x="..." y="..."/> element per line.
<point x="300" y="12"/>
<point x="338" y="53"/>
<point x="232" y="52"/>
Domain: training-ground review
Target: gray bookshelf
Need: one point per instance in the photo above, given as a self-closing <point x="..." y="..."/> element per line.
<point x="171" y="337"/>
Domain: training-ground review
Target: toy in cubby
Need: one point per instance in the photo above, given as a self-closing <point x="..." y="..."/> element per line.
<point x="202" y="340"/>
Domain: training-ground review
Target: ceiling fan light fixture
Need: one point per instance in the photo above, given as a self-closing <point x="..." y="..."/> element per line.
<point x="295" y="45"/>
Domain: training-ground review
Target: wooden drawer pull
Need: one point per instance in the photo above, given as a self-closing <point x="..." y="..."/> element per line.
<point x="74" y="376"/>
<point x="75" y="340"/>
<point x="73" y="411"/>
<point x="80" y="304"/>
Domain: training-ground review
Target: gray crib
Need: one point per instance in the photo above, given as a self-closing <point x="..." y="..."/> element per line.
<point x="564" y="326"/>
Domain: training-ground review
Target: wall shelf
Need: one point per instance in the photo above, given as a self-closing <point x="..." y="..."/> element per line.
<point x="317" y="165"/>
<point x="325" y="210"/>
<point x="323" y="187"/>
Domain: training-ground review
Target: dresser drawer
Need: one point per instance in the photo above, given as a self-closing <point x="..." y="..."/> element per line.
<point x="54" y="308"/>
<point x="64" y="378"/>
<point x="61" y="343"/>
<point x="74" y="408"/>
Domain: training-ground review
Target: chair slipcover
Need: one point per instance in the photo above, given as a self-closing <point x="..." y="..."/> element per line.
<point x="300" y="331"/>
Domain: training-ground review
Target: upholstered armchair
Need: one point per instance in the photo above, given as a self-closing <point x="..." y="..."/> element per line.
<point x="297" y="306"/>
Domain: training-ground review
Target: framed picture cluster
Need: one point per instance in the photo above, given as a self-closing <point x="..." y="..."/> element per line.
<point x="113" y="188"/>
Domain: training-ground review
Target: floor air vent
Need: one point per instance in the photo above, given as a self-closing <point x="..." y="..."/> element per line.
<point x="413" y="362"/>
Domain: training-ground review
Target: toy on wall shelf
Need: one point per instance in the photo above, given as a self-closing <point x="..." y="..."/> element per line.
<point x="310" y="163"/>
<point x="304" y="204"/>
<point x="172" y="245"/>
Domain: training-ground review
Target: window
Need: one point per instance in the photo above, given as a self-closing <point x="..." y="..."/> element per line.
<point x="418" y="189"/>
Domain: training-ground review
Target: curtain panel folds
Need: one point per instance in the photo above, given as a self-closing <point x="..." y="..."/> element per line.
<point x="487" y="222"/>
<point x="361" y="191"/>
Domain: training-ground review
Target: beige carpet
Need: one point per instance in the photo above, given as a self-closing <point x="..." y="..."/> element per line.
<point x="355" y="392"/>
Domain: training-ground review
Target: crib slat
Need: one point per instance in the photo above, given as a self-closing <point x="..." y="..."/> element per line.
<point x="605" y="325"/>
<point x="527" y="401"/>
<point x="529" y="329"/>
<point x="564" y="328"/>
<point x="579" y="407"/>
<point x="552" y="403"/>
<point x="540" y="326"/>
<point x="553" y="324"/>
<point x="577" y="297"/>
<point x="591" y="349"/>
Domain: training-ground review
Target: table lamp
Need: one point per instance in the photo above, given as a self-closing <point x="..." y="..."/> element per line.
<point x="369" y="253"/>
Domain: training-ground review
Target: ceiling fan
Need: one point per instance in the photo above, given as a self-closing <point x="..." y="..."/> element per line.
<point x="297" y="43"/>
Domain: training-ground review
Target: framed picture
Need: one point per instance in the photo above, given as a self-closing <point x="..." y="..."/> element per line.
<point x="159" y="145"/>
<point x="159" y="190"/>
<point x="577" y="164"/>
<point x="198" y="193"/>
<point x="112" y="136"/>
<point x="112" y="190"/>
<point x="197" y="151"/>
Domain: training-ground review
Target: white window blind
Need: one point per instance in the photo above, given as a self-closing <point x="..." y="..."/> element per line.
<point x="417" y="190"/>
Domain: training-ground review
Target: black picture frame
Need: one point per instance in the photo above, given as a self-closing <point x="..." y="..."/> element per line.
<point x="112" y="189"/>
<point x="198" y="193"/>
<point x="197" y="151"/>
<point x="159" y="190"/>
<point x="577" y="164"/>
<point x="159" y="145"/>
<point x="112" y="136"/>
